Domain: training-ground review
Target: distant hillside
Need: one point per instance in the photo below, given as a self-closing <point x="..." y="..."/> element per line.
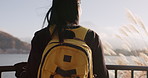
<point x="11" y="44"/>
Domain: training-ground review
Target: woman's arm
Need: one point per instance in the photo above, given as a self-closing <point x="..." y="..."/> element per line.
<point x="38" y="43"/>
<point x="99" y="67"/>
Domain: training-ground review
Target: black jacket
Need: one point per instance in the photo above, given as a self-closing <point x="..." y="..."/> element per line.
<point x="42" y="37"/>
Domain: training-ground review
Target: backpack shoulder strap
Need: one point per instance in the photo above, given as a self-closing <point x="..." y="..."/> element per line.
<point x="51" y="29"/>
<point x="80" y="32"/>
<point x="55" y="38"/>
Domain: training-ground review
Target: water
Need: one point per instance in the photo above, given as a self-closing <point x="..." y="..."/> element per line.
<point x="11" y="59"/>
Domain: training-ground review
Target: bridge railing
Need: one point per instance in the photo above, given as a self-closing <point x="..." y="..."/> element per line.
<point x="115" y="68"/>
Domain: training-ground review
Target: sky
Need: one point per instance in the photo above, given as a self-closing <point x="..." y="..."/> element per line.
<point x="22" y="18"/>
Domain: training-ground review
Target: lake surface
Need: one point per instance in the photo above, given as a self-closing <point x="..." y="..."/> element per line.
<point x="11" y="59"/>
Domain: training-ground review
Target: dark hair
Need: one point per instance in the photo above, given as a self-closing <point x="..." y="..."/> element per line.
<point x="63" y="12"/>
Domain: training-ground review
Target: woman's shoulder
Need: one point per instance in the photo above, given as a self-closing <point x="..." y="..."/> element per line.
<point x="91" y="34"/>
<point x="89" y="30"/>
<point x="41" y="35"/>
<point x="42" y="31"/>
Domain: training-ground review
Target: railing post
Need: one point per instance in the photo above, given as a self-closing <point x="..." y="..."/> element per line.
<point x="132" y="73"/>
<point x="0" y="74"/>
<point x="147" y="74"/>
<point x="116" y="73"/>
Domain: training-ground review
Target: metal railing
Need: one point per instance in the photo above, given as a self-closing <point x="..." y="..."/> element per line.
<point x="116" y="68"/>
<point x="110" y="67"/>
<point x="6" y="69"/>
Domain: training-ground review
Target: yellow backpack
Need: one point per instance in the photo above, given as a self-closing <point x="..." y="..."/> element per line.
<point x="70" y="59"/>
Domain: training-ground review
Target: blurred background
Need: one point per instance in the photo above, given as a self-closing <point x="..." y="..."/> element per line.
<point x="121" y="25"/>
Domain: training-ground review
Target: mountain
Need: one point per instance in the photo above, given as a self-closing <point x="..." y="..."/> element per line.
<point x="11" y="44"/>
